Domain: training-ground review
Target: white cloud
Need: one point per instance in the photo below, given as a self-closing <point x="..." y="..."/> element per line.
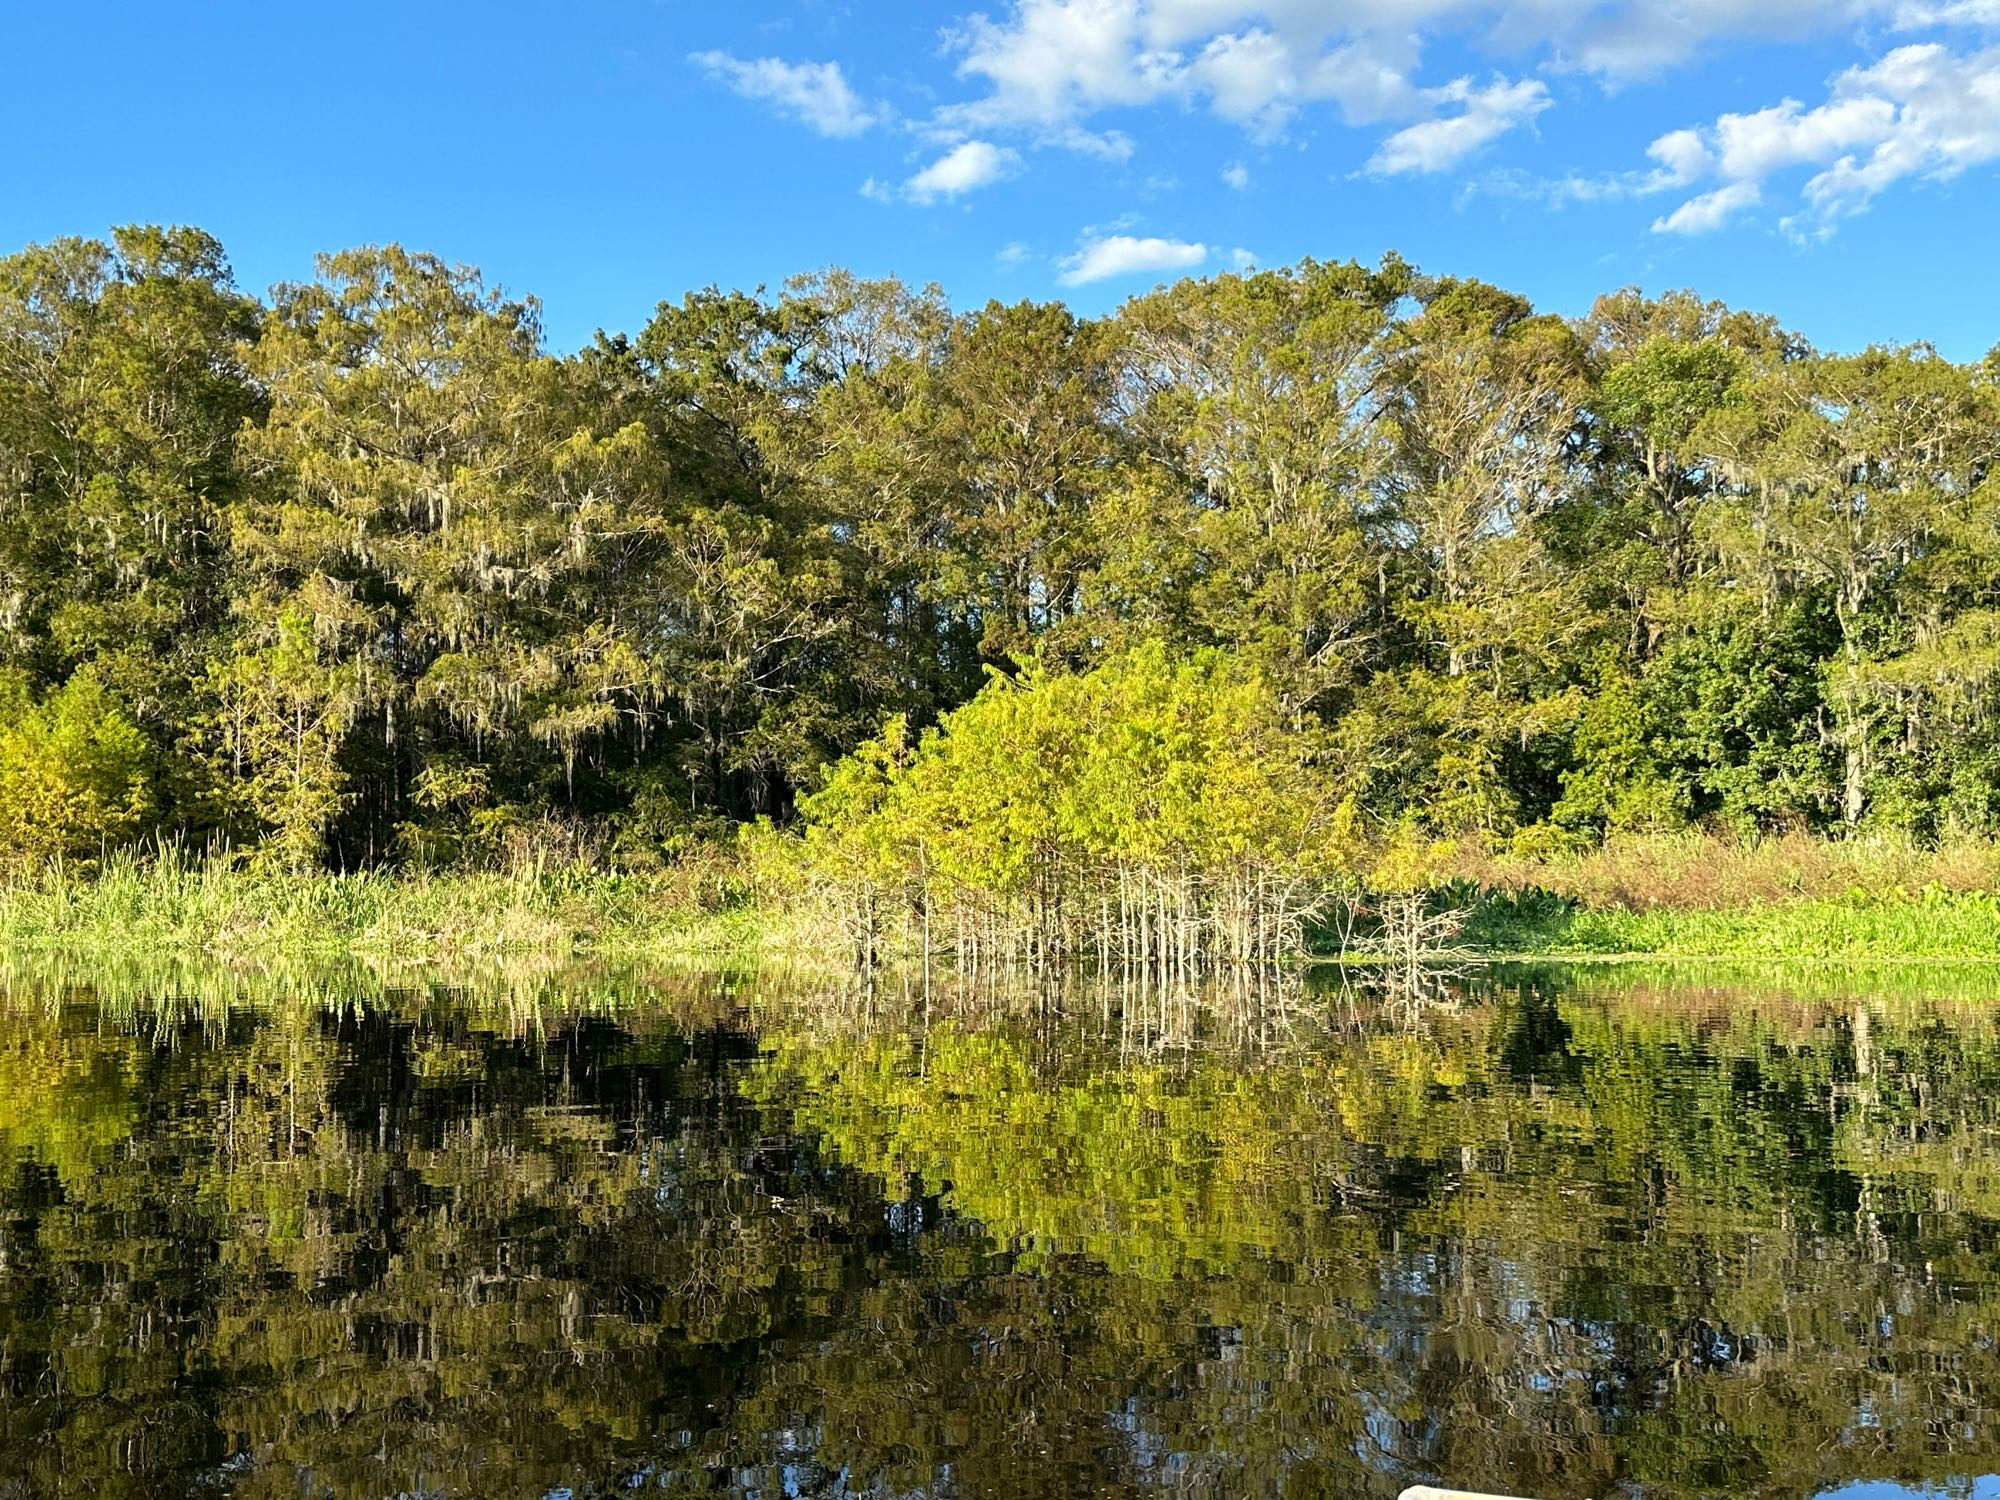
<point x="1641" y="38"/>
<point x="1370" y="79"/>
<point x="815" y="93"/>
<point x="1250" y="78"/>
<point x="1682" y="157"/>
<point x="1751" y="147"/>
<point x="1242" y="260"/>
<point x="1919" y="111"/>
<point x="1434" y="145"/>
<point x="1126" y="255"/>
<point x="1049" y="65"/>
<point x="1107" y="145"/>
<point x="1976" y="13"/>
<point x="1947" y="119"/>
<point x="1709" y="211"/>
<point x="963" y="169"/>
<point x="1073" y="75"/>
<point x="1055" y="60"/>
<point x="1236" y="175"/>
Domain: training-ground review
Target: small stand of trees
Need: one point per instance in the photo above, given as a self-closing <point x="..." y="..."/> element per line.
<point x="1154" y="813"/>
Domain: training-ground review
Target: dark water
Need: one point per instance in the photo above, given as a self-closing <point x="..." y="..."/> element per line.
<point x="1560" y="1235"/>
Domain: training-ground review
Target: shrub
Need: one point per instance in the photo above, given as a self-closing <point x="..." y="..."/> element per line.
<point x="75" y="774"/>
<point x="1160" y="808"/>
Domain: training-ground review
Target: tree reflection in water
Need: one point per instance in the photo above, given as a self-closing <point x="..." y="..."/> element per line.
<point x="1567" y="1233"/>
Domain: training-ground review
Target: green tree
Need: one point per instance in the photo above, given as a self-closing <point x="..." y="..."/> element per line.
<point x="76" y="774"/>
<point x="1845" y="470"/>
<point x="1255" y="404"/>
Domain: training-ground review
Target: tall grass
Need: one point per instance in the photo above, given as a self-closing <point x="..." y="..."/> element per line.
<point x="175" y="903"/>
<point x="1934" y="924"/>
<point x="1696" y="872"/>
<point x="1789" y="897"/>
<point x="1682" y="896"/>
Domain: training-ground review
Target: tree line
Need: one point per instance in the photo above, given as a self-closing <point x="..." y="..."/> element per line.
<point x="362" y="572"/>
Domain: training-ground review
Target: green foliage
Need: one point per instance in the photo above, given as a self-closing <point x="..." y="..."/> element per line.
<point x="380" y="578"/>
<point x="76" y="775"/>
<point x="1616" y="781"/>
<point x="1175" y="790"/>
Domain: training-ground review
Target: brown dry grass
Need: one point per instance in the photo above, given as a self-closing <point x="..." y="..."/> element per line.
<point x="1696" y="872"/>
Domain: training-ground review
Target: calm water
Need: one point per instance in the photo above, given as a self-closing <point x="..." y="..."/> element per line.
<point x="1555" y="1234"/>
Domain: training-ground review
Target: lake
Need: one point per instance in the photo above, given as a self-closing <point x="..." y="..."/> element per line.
<point x="1557" y="1233"/>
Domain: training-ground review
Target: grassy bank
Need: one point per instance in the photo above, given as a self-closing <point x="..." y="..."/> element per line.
<point x="1929" y="924"/>
<point x="171" y="905"/>
<point x="1671" y="897"/>
<point x="1689" y="896"/>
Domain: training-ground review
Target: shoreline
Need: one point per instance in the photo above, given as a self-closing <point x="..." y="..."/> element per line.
<point x="714" y="913"/>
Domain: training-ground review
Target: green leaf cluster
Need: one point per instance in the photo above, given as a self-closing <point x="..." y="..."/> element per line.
<point x="1158" y="805"/>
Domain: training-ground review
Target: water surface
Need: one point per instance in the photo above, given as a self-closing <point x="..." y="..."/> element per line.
<point x="1554" y="1233"/>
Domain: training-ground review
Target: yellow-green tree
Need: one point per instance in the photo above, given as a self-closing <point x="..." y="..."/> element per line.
<point x="76" y="774"/>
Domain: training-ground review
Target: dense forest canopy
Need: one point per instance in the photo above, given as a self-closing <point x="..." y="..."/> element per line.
<point x="364" y="573"/>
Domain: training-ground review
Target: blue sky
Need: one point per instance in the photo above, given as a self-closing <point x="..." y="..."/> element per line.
<point x="1835" y="162"/>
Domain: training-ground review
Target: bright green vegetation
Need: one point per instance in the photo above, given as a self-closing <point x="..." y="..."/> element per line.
<point x="818" y="912"/>
<point x="1148" y="811"/>
<point x="1931" y="925"/>
<point x="1794" y="897"/>
<point x="712" y="1237"/>
<point x="168" y="905"/>
<point x="1261" y="589"/>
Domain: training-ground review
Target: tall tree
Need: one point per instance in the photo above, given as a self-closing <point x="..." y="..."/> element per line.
<point x="122" y="390"/>
<point x="1255" y="403"/>
<point x="1845" y="469"/>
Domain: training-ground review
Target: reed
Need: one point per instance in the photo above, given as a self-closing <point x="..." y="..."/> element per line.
<point x="1698" y="872"/>
<point x="1789" y="897"/>
<point x="1933" y="924"/>
<point x="174" y="903"/>
<point x="1686" y="898"/>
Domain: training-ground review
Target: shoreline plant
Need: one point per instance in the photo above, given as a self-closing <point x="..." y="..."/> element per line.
<point x="1150" y="813"/>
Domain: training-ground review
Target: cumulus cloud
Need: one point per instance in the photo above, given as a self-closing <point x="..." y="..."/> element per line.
<point x="1682" y="155"/>
<point x="1055" y="60"/>
<point x="1919" y="111"/>
<point x="814" y="93"/>
<point x="1126" y="255"/>
<point x="1236" y="175"/>
<point x="1049" y="63"/>
<point x="1708" y="211"/>
<point x="1250" y="78"/>
<point x="1434" y="145"/>
<point x="1076" y="75"/>
<point x="968" y="166"/>
<point x="1046" y="65"/>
